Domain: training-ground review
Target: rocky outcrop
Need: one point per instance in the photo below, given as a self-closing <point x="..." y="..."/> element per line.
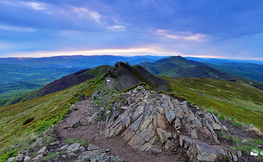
<point x="69" y="152"/>
<point x="154" y="122"/>
<point x="127" y="76"/>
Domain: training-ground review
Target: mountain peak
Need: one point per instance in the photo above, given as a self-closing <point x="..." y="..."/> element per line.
<point x="127" y="76"/>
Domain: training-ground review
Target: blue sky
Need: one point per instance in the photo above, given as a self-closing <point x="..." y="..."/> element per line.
<point x="198" y="28"/>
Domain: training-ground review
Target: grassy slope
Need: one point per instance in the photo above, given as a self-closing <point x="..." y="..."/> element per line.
<point x="62" y="83"/>
<point x="46" y="111"/>
<point x="228" y="98"/>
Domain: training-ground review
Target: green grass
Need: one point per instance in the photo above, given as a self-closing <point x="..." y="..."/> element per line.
<point x="242" y="101"/>
<point x="248" y="146"/>
<point x="222" y="116"/>
<point x="71" y="141"/>
<point x="49" y="156"/>
<point x="46" y="110"/>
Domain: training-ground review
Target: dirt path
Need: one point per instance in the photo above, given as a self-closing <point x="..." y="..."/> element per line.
<point x="91" y="133"/>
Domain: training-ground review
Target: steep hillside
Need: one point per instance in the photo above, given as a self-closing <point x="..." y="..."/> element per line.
<point x="178" y="66"/>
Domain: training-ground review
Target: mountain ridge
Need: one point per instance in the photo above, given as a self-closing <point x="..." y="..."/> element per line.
<point x="178" y="66"/>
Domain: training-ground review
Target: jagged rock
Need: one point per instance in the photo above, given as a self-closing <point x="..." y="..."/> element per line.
<point x="216" y="119"/>
<point x="234" y="157"/>
<point x="225" y="128"/>
<point x="54" y="143"/>
<point x="42" y="151"/>
<point x="20" y="157"/>
<point x="76" y="124"/>
<point x="170" y="116"/>
<point x="66" y="127"/>
<point x="11" y="159"/>
<point x="123" y="107"/>
<point x="184" y="106"/>
<point x="239" y="153"/>
<point x="72" y="154"/>
<point x="73" y="147"/>
<point x="197" y="123"/>
<point x="63" y="147"/>
<point x="93" y="118"/>
<point x="169" y="144"/>
<point x="160" y="121"/>
<point x="244" y="141"/>
<point x="136" y="142"/>
<point x="93" y="147"/>
<point x="148" y="133"/>
<point x="177" y="123"/>
<point x="38" y="157"/>
<point x="148" y="121"/>
<point x="216" y="126"/>
<point x="196" y="150"/>
<point x="138" y="111"/>
<point x="254" y="129"/>
<point x="213" y="133"/>
<point x="190" y="118"/>
<point x="82" y="148"/>
<point x="27" y="158"/>
<point x="164" y="136"/>
<point x="194" y="134"/>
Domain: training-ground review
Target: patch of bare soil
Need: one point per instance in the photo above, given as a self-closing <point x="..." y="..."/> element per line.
<point x="117" y="147"/>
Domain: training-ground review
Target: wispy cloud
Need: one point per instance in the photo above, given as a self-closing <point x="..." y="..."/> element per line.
<point x="31" y="5"/>
<point x="86" y="13"/>
<point x="116" y="27"/>
<point x="34" y="5"/>
<point x="19" y="29"/>
<point x="182" y="35"/>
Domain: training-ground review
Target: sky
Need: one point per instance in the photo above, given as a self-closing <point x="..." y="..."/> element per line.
<point x="194" y="28"/>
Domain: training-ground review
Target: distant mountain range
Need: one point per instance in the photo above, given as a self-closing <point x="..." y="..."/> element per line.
<point x="77" y="61"/>
<point x="178" y="66"/>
